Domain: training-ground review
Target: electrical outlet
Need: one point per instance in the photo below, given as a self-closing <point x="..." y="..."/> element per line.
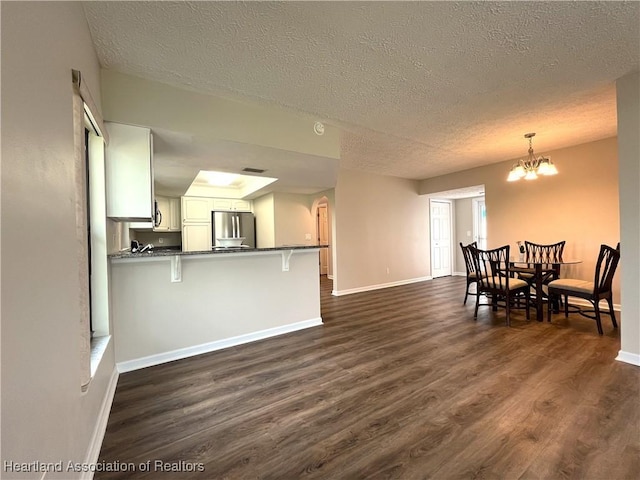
<point x="307" y="236"/>
<point x="160" y="240"/>
<point x="388" y="270"/>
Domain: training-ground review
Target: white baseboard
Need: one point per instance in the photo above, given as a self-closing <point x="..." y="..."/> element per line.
<point x="368" y="288"/>
<point x="627" y="357"/>
<point x="181" y="353"/>
<point x="459" y="274"/>
<point x="95" y="443"/>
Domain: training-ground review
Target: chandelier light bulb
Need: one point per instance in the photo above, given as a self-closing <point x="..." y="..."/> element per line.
<point x="531" y="167"/>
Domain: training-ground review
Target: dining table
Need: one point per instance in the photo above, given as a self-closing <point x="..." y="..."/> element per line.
<point x="539" y="268"/>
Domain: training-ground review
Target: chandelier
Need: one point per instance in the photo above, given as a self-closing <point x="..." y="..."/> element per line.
<point x="530" y="168"/>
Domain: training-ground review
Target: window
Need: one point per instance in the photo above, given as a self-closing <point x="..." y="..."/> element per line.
<point x="90" y="230"/>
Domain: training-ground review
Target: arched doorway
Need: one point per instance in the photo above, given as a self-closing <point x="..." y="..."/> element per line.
<point x="322" y="213"/>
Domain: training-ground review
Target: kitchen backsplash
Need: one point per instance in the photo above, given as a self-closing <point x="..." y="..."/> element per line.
<point x="169" y="239"/>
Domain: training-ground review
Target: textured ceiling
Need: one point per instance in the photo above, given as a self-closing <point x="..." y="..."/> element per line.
<point x="418" y="89"/>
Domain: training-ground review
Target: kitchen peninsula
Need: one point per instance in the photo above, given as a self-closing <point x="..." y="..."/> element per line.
<point x="168" y="305"/>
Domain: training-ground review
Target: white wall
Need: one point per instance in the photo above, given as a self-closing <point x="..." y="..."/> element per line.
<point x="45" y="416"/>
<point x="380" y="223"/>
<point x="628" y="93"/>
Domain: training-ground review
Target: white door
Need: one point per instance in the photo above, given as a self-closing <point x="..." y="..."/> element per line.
<point x="323" y="238"/>
<point x="440" y="238"/>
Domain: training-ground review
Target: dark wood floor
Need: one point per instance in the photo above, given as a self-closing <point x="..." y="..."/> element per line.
<point x="398" y="383"/>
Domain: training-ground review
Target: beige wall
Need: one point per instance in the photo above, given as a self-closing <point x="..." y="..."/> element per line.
<point x="264" y="212"/>
<point x="293" y="219"/>
<point x="380" y="222"/>
<point x="137" y="101"/>
<point x="45" y="416"/>
<point x="285" y="219"/>
<point x="212" y="300"/>
<point x="579" y="205"/>
<point x="628" y="98"/>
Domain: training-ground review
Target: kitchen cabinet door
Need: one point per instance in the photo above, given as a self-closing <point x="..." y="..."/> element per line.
<point x="196" y="237"/>
<point x="241" y="205"/>
<point x="169" y="214"/>
<point x="196" y="209"/>
<point x="129" y="173"/>
<point x="231" y="205"/>
<point x="164" y="214"/>
<point x="222" y="204"/>
<point x="175" y="220"/>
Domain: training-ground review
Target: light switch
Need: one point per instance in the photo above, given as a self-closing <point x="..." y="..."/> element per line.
<point x="468" y="233"/>
<point x="307" y="236"/>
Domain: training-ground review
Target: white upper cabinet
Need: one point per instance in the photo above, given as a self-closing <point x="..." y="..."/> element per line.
<point x="168" y="214"/>
<point x="222" y="204"/>
<point x="231" y="204"/>
<point x="175" y="220"/>
<point x="129" y="173"/>
<point x="163" y="214"/>
<point x="241" y="205"/>
<point x="196" y="209"/>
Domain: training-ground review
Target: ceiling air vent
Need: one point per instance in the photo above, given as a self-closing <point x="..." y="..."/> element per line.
<point x="253" y="170"/>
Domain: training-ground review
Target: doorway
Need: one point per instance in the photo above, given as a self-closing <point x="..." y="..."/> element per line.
<point x="440" y="238"/>
<point x="323" y="237"/>
<point x="480" y="223"/>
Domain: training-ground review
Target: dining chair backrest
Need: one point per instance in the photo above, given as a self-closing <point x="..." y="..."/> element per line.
<point x="492" y="268"/>
<point x="468" y="257"/>
<point x="535" y="252"/>
<point x="608" y="259"/>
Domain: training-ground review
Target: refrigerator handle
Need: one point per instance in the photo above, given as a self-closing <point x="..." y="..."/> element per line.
<point x="234" y="220"/>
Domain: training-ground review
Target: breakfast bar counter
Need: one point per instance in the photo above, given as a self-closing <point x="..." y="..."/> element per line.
<point x="168" y="305"/>
<point x="166" y="252"/>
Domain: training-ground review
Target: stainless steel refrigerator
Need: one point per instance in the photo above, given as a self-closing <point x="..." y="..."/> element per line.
<point x="233" y="225"/>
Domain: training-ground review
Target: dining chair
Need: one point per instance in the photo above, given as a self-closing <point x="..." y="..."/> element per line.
<point x="599" y="289"/>
<point x="535" y="252"/>
<point x="470" y="268"/>
<point x="495" y="280"/>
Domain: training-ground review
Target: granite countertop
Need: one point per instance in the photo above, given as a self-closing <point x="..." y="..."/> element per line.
<point x="168" y="251"/>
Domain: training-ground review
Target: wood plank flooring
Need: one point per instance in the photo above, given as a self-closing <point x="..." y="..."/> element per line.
<point x="397" y="383"/>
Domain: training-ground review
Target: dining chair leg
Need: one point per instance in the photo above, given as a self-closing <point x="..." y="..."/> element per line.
<point x="596" y="306"/>
<point x="612" y="313"/>
<point x="526" y="308"/>
<point x="466" y="294"/>
<point x="475" y="313"/>
<point x="549" y="308"/>
<point x="508" y="308"/>
<point x="566" y="306"/>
